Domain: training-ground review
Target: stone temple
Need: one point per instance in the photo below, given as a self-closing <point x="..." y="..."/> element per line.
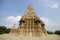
<point x="29" y="25"/>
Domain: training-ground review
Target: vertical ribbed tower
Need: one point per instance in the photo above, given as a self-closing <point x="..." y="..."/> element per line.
<point x="30" y="24"/>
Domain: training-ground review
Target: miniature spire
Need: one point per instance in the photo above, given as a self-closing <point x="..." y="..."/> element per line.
<point x="30" y="7"/>
<point x="14" y="27"/>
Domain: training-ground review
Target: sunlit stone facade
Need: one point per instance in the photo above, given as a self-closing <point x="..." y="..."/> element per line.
<point x="30" y="24"/>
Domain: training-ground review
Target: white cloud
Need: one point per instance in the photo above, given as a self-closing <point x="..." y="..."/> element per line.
<point x="52" y="3"/>
<point x="50" y="25"/>
<point x="55" y="5"/>
<point x="13" y="19"/>
<point x="45" y="20"/>
<point x="8" y="25"/>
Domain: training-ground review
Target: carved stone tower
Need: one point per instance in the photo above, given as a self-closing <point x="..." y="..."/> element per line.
<point x="30" y="24"/>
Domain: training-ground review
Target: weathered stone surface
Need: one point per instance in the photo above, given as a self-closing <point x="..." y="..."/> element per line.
<point x="30" y="24"/>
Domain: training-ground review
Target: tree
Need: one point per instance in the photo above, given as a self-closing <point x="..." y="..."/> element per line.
<point x="3" y="30"/>
<point x="57" y="32"/>
<point x="49" y="32"/>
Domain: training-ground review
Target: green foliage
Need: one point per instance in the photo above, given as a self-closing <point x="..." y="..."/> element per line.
<point x="49" y="32"/>
<point x="57" y="32"/>
<point x="3" y="30"/>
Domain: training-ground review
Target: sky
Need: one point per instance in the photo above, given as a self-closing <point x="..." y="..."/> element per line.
<point x="48" y="11"/>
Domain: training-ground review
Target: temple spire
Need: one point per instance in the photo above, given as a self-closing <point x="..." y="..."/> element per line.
<point x="30" y="7"/>
<point x="29" y="13"/>
<point x="30" y="24"/>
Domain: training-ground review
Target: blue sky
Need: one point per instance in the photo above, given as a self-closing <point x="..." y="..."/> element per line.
<point x="48" y="10"/>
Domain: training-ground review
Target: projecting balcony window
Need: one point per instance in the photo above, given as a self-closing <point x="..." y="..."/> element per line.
<point x="42" y="25"/>
<point x="22" y="22"/>
<point x="37" y="21"/>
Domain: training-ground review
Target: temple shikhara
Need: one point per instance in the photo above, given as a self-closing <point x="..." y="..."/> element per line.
<point x="30" y="24"/>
